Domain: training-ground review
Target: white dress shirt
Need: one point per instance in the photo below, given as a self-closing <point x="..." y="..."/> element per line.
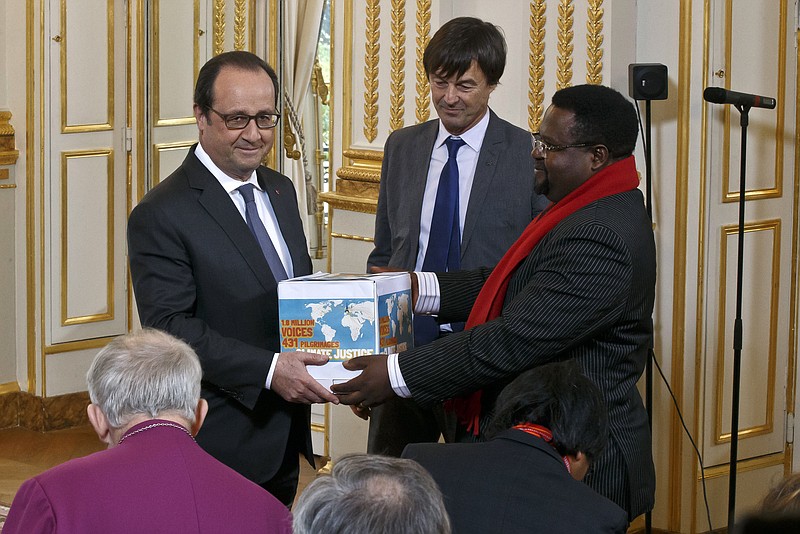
<point x="467" y="159"/>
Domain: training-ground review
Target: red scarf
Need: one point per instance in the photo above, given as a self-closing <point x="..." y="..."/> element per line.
<point x="617" y="178"/>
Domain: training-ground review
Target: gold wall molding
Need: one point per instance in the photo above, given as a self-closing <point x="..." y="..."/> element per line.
<point x="423" y="27"/>
<point x="679" y="262"/>
<point x="398" y="61"/>
<point x="594" y="42"/>
<point x="8" y="144"/>
<point x="565" y="46"/>
<point x="364" y="155"/>
<point x="108" y="315"/>
<point x="349" y="203"/>
<point x="72" y="346"/>
<point x="41" y="414"/>
<point x="62" y="40"/>
<point x="536" y="35"/>
<point x="160" y="148"/>
<point x="372" y="48"/>
<point x="777" y="190"/>
<point x="351" y="237"/>
<point x="219" y="27"/>
<point x="364" y="174"/>
<point x="155" y="36"/>
<point x="239" y="24"/>
<point x="729" y="232"/>
<point x="30" y="184"/>
<point x="791" y="386"/>
<point x="742" y="466"/>
<point x="9" y="387"/>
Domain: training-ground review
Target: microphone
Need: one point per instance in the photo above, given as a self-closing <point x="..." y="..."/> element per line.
<point x="718" y="95"/>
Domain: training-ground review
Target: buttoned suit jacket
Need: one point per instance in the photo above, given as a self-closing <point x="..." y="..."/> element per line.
<point x="585" y="292"/>
<point x="158" y="480"/>
<point x="514" y="483"/>
<point x="199" y="274"/>
<point x="501" y="203"/>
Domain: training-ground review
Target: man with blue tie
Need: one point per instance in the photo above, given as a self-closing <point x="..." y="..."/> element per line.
<point x="455" y="193"/>
<point x="207" y="248"/>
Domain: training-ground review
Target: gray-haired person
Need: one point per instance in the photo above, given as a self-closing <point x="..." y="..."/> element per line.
<point x="146" y="405"/>
<point x="365" y="494"/>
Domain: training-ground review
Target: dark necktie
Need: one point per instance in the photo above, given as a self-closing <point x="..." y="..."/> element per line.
<point x="444" y="240"/>
<point x="257" y="227"/>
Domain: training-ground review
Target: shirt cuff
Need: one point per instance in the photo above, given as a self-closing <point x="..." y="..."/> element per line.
<point x="271" y="372"/>
<point x="428" y="296"/>
<point x="396" y="377"/>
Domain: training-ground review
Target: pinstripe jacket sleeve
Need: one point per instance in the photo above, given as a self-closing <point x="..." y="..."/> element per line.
<point x="585" y="292"/>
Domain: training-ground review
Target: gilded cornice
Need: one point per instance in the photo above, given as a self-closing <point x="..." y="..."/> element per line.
<point x="594" y="42"/>
<point x="363" y="174"/>
<point x="349" y="203"/>
<point x="367" y="155"/>
<point x="536" y="63"/>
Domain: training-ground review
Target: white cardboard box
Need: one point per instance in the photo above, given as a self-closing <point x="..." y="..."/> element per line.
<point x="344" y="316"/>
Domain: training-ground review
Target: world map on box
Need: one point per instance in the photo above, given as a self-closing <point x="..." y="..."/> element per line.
<point x="344" y="328"/>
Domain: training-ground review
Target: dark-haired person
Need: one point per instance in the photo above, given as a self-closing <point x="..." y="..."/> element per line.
<point x="494" y="197"/>
<point x="549" y="426"/>
<point x="578" y="284"/>
<point x="207" y="248"/>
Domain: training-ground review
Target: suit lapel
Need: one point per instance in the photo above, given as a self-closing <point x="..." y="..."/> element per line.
<point x="217" y="203"/>
<point x="485" y="168"/>
<point x="284" y="202"/>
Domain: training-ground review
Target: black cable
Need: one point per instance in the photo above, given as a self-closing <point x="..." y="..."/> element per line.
<point x="641" y="128"/>
<point x="689" y="434"/>
<point x="652" y="356"/>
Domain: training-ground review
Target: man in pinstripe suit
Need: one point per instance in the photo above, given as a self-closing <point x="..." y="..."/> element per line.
<point x="578" y="284"/>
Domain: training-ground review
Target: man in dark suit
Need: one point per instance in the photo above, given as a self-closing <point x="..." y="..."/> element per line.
<point x="495" y="200"/>
<point x="207" y="248"/>
<point x="578" y="284"/>
<point x="146" y="405"/>
<point x="549" y="425"/>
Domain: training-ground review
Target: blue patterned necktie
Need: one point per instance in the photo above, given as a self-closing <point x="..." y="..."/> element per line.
<point x="257" y="227"/>
<point x="444" y="240"/>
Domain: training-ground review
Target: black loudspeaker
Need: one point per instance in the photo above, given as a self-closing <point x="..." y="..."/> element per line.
<point x="647" y="81"/>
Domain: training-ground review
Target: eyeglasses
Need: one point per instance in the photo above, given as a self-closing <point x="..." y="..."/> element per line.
<point x="238" y="121"/>
<point x="540" y="145"/>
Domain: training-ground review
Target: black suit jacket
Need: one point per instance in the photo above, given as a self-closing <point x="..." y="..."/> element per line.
<point x="585" y="292"/>
<point x="199" y="274"/>
<point x="512" y="484"/>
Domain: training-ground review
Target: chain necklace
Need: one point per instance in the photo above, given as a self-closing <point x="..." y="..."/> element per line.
<point x="153" y="425"/>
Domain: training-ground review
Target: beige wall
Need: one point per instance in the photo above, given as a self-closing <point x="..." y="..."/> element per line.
<point x="693" y="177"/>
